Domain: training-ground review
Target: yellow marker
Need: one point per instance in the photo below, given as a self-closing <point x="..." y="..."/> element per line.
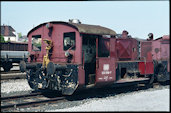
<point x="46" y="57"/>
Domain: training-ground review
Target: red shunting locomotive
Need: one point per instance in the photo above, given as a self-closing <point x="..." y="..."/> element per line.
<point x="66" y="56"/>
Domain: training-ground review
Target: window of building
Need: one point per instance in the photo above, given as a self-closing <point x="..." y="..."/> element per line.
<point x="69" y="41"/>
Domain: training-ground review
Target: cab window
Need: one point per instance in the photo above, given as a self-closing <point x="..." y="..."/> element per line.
<point x="69" y="41"/>
<point x="104" y="47"/>
<point x="36" y="42"/>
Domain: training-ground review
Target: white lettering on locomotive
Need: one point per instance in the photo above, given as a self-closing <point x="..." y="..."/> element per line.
<point x="106" y="78"/>
<point x="106" y="69"/>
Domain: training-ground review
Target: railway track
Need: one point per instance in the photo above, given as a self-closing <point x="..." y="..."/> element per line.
<point x="40" y="98"/>
<point x="28" y="100"/>
<point x="11" y="71"/>
<point x="13" y="74"/>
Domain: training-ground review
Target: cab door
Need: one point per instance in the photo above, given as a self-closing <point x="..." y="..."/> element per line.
<point x="105" y="61"/>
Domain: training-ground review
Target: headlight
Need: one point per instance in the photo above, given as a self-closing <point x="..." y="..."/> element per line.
<point x="67" y="53"/>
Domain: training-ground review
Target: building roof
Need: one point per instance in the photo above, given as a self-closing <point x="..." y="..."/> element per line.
<point x="82" y="28"/>
<point x="7" y="31"/>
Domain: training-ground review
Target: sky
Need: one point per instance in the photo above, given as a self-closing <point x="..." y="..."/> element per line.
<point x="137" y="17"/>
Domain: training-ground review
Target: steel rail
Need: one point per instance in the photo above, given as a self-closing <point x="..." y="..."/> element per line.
<point x="20" y="96"/>
<point x="40" y="102"/>
<point x="11" y="71"/>
<point x="37" y="95"/>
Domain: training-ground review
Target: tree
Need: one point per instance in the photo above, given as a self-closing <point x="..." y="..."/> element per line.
<point x="2" y="39"/>
<point x="19" y="35"/>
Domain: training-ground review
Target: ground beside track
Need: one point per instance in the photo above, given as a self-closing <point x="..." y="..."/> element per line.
<point x="152" y="99"/>
<point x="145" y="100"/>
<point x="10" y="87"/>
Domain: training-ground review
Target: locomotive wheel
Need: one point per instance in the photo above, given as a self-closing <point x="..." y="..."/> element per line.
<point x="31" y="80"/>
<point x="151" y="79"/>
<point x="35" y="78"/>
<point x="7" y="66"/>
<point x="162" y="74"/>
<point x="150" y="82"/>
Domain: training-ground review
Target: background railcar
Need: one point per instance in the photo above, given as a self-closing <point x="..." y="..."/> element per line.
<point x="13" y="52"/>
<point x="161" y="57"/>
<point x="158" y="51"/>
<point x="130" y="65"/>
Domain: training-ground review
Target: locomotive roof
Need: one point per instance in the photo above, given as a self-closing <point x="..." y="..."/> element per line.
<point x="164" y="37"/>
<point x="82" y="28"/>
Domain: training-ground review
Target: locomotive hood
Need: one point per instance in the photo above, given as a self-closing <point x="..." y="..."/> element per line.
<point x="82" y="28"/>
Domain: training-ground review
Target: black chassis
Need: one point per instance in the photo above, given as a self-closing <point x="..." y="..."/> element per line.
<point x="64" y="79"/>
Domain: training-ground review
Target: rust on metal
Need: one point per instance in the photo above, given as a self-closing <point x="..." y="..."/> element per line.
<point x="93" y="29"/>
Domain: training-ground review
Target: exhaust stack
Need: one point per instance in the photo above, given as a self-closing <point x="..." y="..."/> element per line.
<point x="75" y="21"/>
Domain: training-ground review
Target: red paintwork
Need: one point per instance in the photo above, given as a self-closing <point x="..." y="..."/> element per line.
<point x="146" y="48"/>
<point x="57" y="39"/>
<point x="105" y="66"/>
<point x="105" y="70"/>
<point x="113" y="53"/>
<point x="161" y="50"/>
<point x="124" y="47"/>
<point x="156" y="50"/>
<point x="81" y="76"/>
<point x="146" y="68"/>
<point x="166" y="37"/>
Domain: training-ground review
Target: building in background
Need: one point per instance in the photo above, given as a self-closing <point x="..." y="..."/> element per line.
<point x="9" y="33"/>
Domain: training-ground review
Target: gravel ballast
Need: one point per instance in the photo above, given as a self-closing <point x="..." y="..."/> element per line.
<point x="14" y="86"/>
<point x="150" y="100"/>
